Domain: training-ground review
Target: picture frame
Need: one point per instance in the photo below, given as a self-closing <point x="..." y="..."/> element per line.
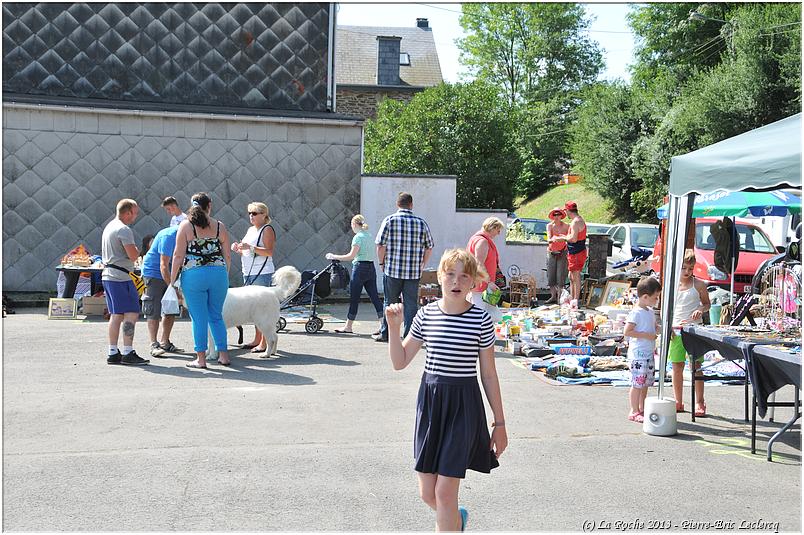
<point x="614" y="290"/>
<point x="595" y="296"/>
<point x="62" y="308"/>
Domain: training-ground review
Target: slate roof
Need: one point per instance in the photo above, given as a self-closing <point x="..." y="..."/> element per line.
<point x="356" y="55"/>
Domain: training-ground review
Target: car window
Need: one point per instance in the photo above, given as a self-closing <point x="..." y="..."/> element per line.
<point x="751" y="239"/>
<point x="597" y="229"/>
<point x="644" y="237"/>
<point x="534" y="229"/>
<point x="619" y="235"/>
<point x="703" y="238"/>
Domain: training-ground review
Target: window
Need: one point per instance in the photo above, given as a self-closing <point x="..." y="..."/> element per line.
<point x="404" y="58"/>
<point x="619" y="236"/>
<point x="644" y="237"/>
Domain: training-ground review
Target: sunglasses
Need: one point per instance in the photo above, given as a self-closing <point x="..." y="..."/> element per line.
<point x="254" y="213"/>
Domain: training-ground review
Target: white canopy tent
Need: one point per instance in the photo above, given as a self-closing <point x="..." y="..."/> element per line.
<point x="768" y="157"/>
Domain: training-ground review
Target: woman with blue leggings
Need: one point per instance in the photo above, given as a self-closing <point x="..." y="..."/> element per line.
<point x="202" y="254"/>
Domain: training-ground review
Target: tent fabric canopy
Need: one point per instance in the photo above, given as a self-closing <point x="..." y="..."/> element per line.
<point x="762" y="158"/>
<point x="742" y="203"/>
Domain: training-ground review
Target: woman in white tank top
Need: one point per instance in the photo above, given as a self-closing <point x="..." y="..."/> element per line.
<point x="692" y="301"/>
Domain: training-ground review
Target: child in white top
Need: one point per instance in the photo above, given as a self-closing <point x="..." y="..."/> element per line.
<point x="692" y="300"/>
<point x="458" y="336"/>
<point x="640" y="328"/>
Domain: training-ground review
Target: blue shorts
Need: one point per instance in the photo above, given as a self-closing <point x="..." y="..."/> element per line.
<point x="121" y="297"/>
<point x="263" y="279"/>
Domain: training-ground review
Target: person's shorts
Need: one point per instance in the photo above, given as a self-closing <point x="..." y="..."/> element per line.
<point x="677" y="352"/>
<point x="152" y="298"/>
<point x="576" y="261"/>
<point x="642" y="371"/>
<point x="121" y="297"/>
<point x="263" y="279"/>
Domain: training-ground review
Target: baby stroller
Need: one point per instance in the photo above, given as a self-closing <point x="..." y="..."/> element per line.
<point x="315" y="286"/>
<point x="638" y="262"/>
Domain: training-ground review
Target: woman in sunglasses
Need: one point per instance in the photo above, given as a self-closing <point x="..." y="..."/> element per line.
<point x="556" y="254"/>
<point x="256" y="250"/>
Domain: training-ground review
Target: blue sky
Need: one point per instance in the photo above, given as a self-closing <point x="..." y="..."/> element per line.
<point x="610" y="29"/>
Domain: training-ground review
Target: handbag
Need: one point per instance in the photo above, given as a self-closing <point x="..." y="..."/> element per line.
<point x="499" y="278"/>
<point x="265" y="258"/>
<point x="139" y="282"/>
<point x="339" y="277"/>
<point x="170" y="302"/>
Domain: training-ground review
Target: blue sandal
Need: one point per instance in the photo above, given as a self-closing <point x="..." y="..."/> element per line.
<point x="464" y="516"/>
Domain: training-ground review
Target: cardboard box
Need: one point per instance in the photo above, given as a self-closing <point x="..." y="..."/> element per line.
<point x="93" y="306"/>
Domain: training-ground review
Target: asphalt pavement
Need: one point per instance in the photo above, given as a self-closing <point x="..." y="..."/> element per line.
<point x="320" y="439"/>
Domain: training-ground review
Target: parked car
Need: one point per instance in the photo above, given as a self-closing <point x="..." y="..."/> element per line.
<point x="597" y="228"/>
<point x="755" y="248"/>
<point x="534" y="229"/>
<point x="627" y="235"/>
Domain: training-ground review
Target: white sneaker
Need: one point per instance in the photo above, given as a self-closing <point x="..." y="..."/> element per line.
<point x="156" y="350"/>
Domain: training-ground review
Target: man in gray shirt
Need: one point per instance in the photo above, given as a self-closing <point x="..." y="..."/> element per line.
<point x="119" y="250"/>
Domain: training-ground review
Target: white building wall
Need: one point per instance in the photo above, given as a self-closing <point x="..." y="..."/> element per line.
<point x="434" y="201"/>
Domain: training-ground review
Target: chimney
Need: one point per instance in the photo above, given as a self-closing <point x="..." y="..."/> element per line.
<point x="423" y="23"/>
<point x="388" y="60"/>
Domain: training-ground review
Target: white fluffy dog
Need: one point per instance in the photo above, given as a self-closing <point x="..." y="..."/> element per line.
<point x="259" y="306"/>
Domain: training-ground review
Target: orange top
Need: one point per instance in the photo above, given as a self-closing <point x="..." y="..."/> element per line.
<point x="555" y="246"/>
<point x="492" y="258"/>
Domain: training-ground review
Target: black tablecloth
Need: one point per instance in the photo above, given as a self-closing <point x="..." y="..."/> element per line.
<point x="699" y="340"/>
<point x="772" y="369"/>
<point x="71" y="275"/>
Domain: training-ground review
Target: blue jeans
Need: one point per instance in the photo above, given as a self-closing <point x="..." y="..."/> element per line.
<point x="392" y="288"/>
<point x="363" y="276"/>
<point x="205" y="289"/>
<point x="263" y="279"/>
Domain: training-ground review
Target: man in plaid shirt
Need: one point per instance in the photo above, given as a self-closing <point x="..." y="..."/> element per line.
<point x="404" y="246"/>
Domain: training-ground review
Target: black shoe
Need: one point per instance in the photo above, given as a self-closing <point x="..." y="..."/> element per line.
<point x="132" y="359"/>
<point x="114" y="358"/>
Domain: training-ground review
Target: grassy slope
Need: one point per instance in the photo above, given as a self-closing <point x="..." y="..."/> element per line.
<point x="591" y="206"/>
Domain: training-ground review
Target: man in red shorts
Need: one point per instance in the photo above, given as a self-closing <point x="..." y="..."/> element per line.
<point x="576" y="247"/>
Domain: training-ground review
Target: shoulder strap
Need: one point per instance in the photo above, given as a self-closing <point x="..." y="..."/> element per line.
<point x="218" y="232"/>
<point x="118" y="267"/>
<point x="194" y="232"/>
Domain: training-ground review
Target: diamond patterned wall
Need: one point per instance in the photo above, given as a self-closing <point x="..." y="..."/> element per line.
<point x="65" y="170"/>
<point x="260" y="55"/>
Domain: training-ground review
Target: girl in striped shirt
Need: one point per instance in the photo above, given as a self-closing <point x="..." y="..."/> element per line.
<point x="451" y="434"/>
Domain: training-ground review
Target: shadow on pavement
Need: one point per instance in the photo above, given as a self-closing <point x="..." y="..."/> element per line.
<point x="238" y="371"/>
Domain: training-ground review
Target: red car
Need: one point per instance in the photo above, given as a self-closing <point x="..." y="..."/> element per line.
<point x="755" y="248"/>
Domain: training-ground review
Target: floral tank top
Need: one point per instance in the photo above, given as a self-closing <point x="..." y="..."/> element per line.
<point x="204" y="251"/>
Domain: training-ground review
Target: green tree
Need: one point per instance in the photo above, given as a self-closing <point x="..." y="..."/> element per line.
<point x="609" y="125"/>
<point x="695" y="83"/>
<point x="461" y="129"/>
<point x="529" y="50"/>
<point x="539" y="56"/>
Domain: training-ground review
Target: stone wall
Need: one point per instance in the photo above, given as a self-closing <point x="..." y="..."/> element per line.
<point x="364" y="102"/>
<point x="64" y="169"/>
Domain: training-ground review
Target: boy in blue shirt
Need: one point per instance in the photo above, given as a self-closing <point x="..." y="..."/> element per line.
<point x="155" y="271"/>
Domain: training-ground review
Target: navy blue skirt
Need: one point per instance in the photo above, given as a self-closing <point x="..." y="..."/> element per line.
<point x="451" y="432"/>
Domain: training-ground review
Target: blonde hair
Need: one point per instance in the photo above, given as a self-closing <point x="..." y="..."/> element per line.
<point x="689" y="257"/>
<point x="492" y="223"/>
<point x="125" y="205"/>
<point x="360" y="221"/>
<point x="259" y="207"/>
<point x="470" y="265"/>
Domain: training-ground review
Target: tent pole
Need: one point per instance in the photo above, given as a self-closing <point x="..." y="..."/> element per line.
<point x="678" y="216"/>
<point x="734" y="245"/>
